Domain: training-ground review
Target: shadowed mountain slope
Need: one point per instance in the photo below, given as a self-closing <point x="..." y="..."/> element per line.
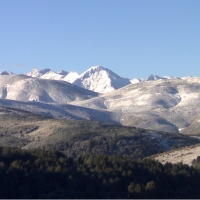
<point x="76" y="137"/>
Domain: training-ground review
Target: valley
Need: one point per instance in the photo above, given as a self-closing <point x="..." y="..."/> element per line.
<point x="131" y="118"/>
<point x="77" y="137"/>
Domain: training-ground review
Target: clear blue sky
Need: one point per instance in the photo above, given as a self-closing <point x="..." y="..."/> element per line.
<point x="133" y="38"/>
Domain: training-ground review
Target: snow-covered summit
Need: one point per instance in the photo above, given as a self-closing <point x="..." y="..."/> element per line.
<point x="100" y="79"/>
<point x="38" y="73"/>
<point x="96" y="78"/>
<point x="25" y="88"/>
<point x="71" y="77"/>
<point x="52" y="75"/>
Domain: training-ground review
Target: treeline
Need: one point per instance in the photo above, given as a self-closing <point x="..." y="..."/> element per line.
<point x="49" y="174"/>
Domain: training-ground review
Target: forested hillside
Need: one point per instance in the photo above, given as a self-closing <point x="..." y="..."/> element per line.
<point x="49" y="174"/>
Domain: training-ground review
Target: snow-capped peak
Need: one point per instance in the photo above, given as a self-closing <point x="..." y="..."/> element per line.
<point x="38" y="73"/>
<point x="71" y="77"/>
<point x="100" y="79"/>
<point x="96" y="78"/>
<point x="93" y="70"/>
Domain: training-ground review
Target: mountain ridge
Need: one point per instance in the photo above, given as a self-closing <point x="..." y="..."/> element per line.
<point x="96" y="78"/>
<point x="26" y="88"/>
<point x="169" y="104"/>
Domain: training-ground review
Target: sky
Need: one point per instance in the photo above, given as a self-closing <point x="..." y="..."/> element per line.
<point x="133" y="38"/>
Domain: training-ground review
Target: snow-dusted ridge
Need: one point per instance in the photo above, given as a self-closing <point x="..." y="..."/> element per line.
<point x="38" y="73"/>
<point x="26" y="88"/>
<point x="97" y="78"/>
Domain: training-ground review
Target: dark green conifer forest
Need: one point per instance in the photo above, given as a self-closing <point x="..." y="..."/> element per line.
<point x="50" y="174"/>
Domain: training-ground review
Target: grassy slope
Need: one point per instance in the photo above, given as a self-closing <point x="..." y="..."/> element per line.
<point x="76" y="137"/>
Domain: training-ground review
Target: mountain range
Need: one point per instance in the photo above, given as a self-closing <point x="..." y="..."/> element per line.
<point x="99" y="111"/>
<point x="158" y="103"/>
<point x="96" y="78"/>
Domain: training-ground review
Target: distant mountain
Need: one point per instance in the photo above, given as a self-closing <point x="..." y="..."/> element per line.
<point x="52" y="75"/>
<point x="61" y="76"/>
<point x="97" y="78"/>
<point x="170" y="104"/>
<point x="100" y="79"/>
<point x="71" y="77"/>
<point x="152" y="77"/>
<point x="38" y="73"/>
<point x="5" y="73"/>
<point x="25" y="88"/>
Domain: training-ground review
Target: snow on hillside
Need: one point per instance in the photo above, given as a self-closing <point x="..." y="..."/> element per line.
<point x="164" y="104"/>
<point x="170" y="77"/>
<point x="25" y="88"/>
<point x="168" y="105"/>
